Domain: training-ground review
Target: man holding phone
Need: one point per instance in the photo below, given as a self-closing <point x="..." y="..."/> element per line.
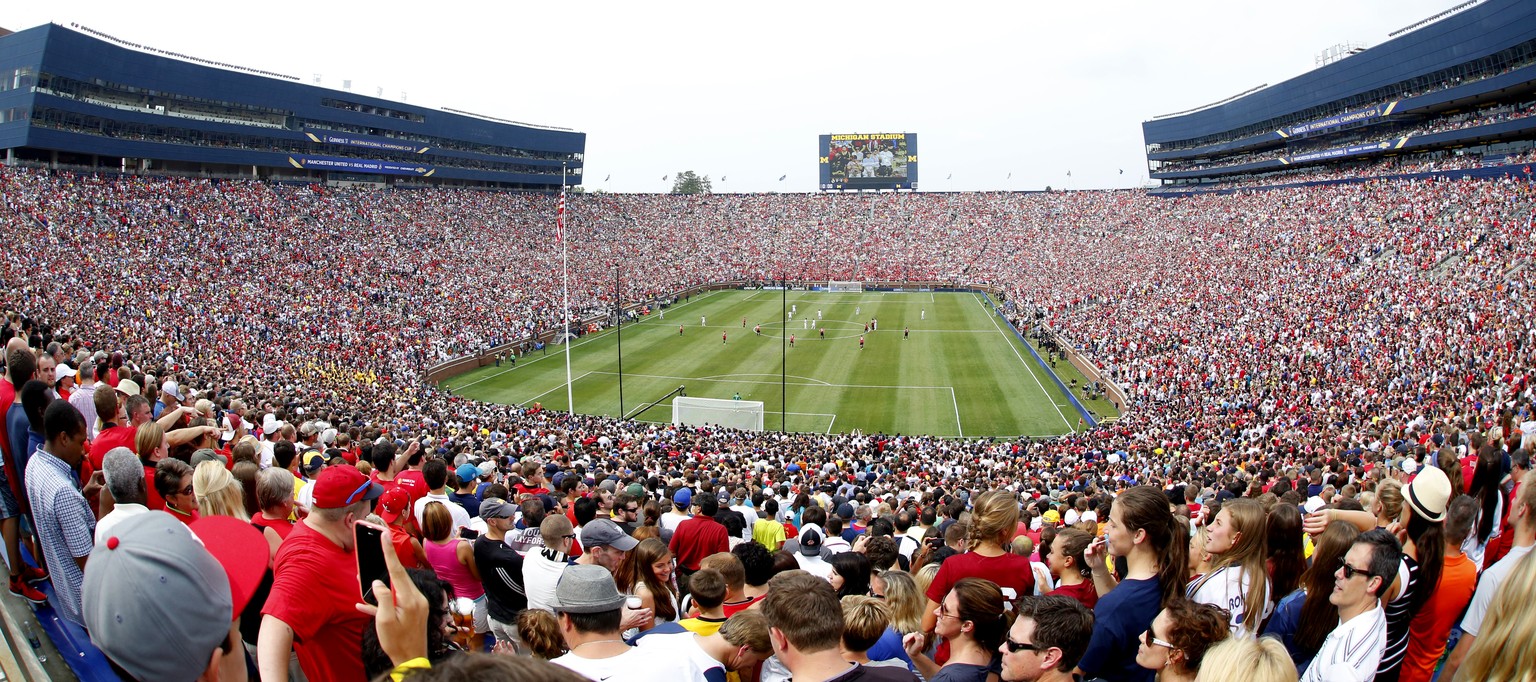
<point x="314" y="588"/>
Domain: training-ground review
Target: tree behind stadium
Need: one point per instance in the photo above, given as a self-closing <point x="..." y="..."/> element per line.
<point x="689" y="182"/>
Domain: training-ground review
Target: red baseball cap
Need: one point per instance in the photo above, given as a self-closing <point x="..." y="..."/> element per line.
<point x="392" y="504"/>
<point x="338" y="487"/>
<point x="240" y="549"/>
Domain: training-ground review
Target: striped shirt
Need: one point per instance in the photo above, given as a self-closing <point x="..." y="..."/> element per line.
<point x="1398" y="618"/>
<point x="1352" y="651"/>
<point x="64" y="525"/>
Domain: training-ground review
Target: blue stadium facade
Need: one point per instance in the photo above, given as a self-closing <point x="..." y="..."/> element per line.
<point x="71" y="97"/>
<point x="1463" y="84"/>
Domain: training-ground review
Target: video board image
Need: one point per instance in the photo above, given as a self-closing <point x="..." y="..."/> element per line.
<point x="868" y="161"/>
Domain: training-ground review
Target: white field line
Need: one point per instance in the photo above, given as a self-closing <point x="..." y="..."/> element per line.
<point x="552" y="390"/>
<point x="583" y="342"/>
<point x="723" y="376"/>
<point x="958" y="428"/>
<point x="1009" y="340"/>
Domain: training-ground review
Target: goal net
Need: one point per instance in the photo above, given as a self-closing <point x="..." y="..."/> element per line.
<point x="735" y="414"/>
<point x="845" y="287"/>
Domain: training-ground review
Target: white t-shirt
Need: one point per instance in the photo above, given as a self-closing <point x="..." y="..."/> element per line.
<point x="689" y="659"/>
<point x="121" y="511"/>
<point x="635" y="664"/>
<point x="670" y="520"/>
<point x="455" y="510"/>
<point x="540" y="575"/>
<point x="751" y="516"/>
<point x="1227" y="588"/>
<point x="1487" y="587"/>
<point x="815" y="565"/>
<point x="1352" y="651"/>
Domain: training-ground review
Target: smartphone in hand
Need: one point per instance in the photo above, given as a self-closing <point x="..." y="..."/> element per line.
<point x="370" y="559"/>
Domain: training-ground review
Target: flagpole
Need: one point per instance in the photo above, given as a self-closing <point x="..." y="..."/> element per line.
<point x="565" y="290"/>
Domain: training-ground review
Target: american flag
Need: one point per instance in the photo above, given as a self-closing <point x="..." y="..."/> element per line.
<point x="560" y="219"/>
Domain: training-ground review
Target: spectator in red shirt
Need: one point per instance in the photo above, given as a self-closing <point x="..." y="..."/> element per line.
<point x="700" y="536"/>
<point x="1067" y="564"/>
<point x="312" y="607"/>
<point x="533" y="480"/>
<point x="173" y="480"/>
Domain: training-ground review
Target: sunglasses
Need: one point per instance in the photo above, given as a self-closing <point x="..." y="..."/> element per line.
<point x="1015" y="647"/>
<point x="187" y="490"/>
<point x="1153" y="641"/>
<point x="1351" y="571"/>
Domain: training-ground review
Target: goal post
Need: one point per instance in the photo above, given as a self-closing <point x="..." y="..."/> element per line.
<point x="845" y="287"/>
<point x="735" y="414"/>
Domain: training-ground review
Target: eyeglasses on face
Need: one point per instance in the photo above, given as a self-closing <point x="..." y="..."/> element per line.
<point x="187" y="490"/>
<point x="1015" y="647"/>
<point x="1153" y="641"/>
<point x="1351" y="571"/>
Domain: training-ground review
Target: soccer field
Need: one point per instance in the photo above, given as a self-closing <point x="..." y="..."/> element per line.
<point x="960" y="372"/>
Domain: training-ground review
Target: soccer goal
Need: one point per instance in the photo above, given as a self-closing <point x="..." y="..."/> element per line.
<point x="845" y="287"/>
<point x="735" y="414"/>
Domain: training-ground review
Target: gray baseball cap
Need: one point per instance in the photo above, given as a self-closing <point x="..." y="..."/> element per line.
<point x="151" y="575"/>
<point x="587" y="589"/>
<point x="605" y="533"/>
<point x="497" y="508"/>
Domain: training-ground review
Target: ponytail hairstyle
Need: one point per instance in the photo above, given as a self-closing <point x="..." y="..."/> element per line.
<point x="981" y="604"/>
<point x="994" y="518"/>
<point x="1073" y="542"/>
<point x="1145" y="508"/>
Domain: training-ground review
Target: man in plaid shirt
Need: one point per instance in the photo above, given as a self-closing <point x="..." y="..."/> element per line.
<point x="61" y="517"/>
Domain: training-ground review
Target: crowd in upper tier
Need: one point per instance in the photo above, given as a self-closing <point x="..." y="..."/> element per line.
<point x="1328" y="400"/>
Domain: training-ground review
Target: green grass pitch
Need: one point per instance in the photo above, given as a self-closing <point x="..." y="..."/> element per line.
<point x="960" y="372"/>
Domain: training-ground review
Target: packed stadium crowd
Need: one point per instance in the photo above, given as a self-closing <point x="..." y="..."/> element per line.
<point x="213" y="385"/>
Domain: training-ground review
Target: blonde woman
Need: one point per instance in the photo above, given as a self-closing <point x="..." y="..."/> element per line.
<point x="218" y="492"/>
<point x="1502" y="650"/>
<point x="1237" y="581"/>
<point x="1199" y="559"/>
<point x="1261" y="659"/>
<point x="902" y="599"/>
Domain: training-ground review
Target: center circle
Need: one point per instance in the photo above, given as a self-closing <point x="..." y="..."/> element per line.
<point x="845" y="330"/>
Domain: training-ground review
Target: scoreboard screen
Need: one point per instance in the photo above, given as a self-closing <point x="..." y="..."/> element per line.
<point x="868" y="161"/>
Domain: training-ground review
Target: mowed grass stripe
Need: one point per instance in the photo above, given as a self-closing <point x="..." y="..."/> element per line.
<point x="891" y="386"/>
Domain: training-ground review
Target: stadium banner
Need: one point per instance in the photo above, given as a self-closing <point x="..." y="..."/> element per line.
<point x="360" y="165"/>
<point x="853" y="161"/>
<point x="1351" y="150"/>
<point x="1377" y="111"/>
<point x="330" y="137"/>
